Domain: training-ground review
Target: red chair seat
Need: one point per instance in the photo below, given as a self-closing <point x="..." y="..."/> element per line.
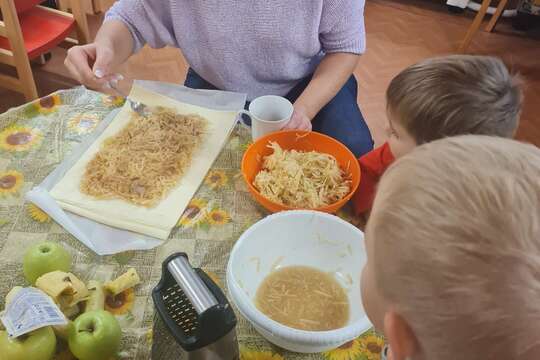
<point x="42" y="30"/>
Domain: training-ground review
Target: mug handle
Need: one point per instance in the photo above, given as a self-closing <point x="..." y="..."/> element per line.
<point x="241" y="119"/>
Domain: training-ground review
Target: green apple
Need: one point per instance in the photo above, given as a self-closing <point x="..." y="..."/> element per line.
<point x="95" y="336"/>
<point x="39" y="344"/>
<point x="43" y="258"/>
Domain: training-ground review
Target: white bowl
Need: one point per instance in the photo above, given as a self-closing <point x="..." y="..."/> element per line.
<point x="299" y="237"/>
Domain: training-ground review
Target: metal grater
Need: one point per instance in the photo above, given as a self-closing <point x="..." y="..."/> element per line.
<point x="194" y="319"/>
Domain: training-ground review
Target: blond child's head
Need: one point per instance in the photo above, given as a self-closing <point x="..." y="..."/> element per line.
<point x="449" y="96"/>
<point x="453" y="247"/>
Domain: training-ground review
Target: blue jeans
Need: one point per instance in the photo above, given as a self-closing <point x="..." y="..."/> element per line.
<point x="340" y="118"/>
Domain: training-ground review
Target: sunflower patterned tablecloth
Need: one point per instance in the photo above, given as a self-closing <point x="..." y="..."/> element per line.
<point x="34" y="139"/>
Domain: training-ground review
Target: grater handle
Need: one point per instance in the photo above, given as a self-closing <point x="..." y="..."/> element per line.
<point x="196" y="291"/>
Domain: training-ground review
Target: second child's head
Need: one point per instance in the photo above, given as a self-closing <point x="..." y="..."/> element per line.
<point x="449" y="96"/>
<point x="453" y="249"/>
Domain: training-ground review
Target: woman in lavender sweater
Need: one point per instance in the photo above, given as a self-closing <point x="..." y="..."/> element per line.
<point x="305" y="50"/>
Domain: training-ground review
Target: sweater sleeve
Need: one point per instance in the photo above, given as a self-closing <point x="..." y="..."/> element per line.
<point x="372" y="166"/>
<point x="149" y="21"/>
<point x="342" y="26"/>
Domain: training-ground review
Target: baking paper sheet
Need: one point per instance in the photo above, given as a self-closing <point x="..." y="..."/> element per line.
<point x="105" y="224"/>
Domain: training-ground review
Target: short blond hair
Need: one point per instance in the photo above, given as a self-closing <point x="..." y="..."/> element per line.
<point x="456" y="232"/>
<point x="456" y="95"/>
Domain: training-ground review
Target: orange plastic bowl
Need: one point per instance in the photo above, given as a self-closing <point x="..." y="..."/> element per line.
<point x="302" y="141"/>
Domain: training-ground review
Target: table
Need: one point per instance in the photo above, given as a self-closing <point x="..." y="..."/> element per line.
<point x="35" y="137"/>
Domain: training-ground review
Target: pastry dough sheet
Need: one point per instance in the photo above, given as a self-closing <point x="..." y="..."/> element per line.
<point x="159" y="220"/>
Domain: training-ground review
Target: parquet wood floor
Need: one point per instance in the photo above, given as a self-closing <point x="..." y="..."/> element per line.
<point x="399" y="33"/>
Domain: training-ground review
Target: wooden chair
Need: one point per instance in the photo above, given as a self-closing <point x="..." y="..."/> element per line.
<point x="29" y="30"/>
<point x="478" y="21"/>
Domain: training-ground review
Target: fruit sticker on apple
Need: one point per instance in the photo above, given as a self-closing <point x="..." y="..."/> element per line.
<point x="30" y="309"/>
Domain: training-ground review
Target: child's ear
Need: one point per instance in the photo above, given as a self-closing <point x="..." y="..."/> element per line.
<point x="400" y="336"/>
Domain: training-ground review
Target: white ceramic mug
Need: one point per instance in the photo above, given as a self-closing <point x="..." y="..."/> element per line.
<point x="268" y="114"/>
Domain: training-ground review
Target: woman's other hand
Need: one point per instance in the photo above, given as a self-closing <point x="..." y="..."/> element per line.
<point x="299" y="120"/>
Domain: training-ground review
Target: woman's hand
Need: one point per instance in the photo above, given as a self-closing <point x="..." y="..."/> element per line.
<point x="329" y="77"/>
<point x="90" y="64"/>
<point x="299" y="120"/>
<point x="93" y="64"/>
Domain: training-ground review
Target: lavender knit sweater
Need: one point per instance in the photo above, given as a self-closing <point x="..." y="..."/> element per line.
<point x="257" y="47"/>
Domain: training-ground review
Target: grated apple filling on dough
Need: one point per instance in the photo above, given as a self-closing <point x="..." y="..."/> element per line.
<point x="145" y="160"/>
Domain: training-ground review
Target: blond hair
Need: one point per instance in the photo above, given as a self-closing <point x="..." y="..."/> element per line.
<point x="456" y="232"/>
<point x="456" y="95"/>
